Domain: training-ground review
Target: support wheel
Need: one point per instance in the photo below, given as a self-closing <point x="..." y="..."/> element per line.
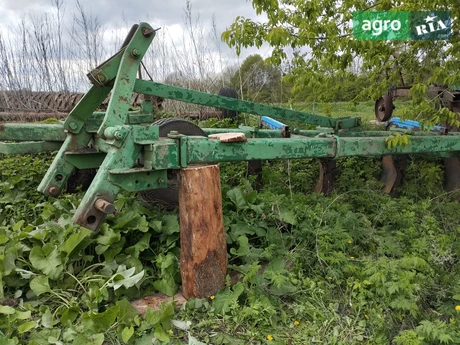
<point x="169" y="196"/>
<point x="384" y="108"/>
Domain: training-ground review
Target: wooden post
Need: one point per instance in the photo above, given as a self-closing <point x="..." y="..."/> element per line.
<point x="203" y="258"/>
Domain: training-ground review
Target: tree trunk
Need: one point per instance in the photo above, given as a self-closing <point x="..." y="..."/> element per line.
<point x="203" y="259"/>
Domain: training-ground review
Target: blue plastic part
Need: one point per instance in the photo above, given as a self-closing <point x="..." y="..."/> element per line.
<point x="410" y="124"/>
<point x="271" y="123"/>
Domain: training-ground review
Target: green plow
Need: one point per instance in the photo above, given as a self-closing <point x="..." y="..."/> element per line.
<point x="133" y="153"/>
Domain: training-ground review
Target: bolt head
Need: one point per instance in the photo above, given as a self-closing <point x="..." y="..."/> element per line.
<point x="135" y="53"/>
<point x="53" y="190"/>
<point x="100" y="78"/>
<point x="161" y="180"/>
<point x="73" y="125"/>
<point x="118" y="135"/>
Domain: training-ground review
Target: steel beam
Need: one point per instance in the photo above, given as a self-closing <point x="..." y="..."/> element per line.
<point x="211" y="100"/>
<point x="31" y="132"/>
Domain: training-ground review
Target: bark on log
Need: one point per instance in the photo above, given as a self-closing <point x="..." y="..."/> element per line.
<point x="203" y="259"/>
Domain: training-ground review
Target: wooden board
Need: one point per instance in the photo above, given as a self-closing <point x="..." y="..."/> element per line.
<point x="229" y="137"/>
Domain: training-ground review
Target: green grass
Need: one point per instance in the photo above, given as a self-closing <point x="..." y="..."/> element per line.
<point x="364" y="110"/>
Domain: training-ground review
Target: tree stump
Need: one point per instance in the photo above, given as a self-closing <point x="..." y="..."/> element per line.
<point x="203" y="258"/>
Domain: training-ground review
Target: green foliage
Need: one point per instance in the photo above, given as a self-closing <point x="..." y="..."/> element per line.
<point x="397" y="139"/>
<point x="326" y="55"/>
<point x="351" y="268"/>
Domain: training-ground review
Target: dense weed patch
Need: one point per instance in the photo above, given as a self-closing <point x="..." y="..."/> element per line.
<point x="351" y="268"/>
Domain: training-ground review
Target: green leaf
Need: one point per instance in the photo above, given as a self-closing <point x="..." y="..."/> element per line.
<point x="226" y="298"/>
<point x="18" y="225"/>
<point x="47" y="319"/>
<point x="194" y="341"/>
<point x="94" y="339"/>
<point x="170" y="224"/>
<point x="26" y="326"/>
<point x="160" y="334"/>
<point x="108" y="237"/>
<point x="182" y="325"/>
<point x="46" y="260"/>
<point x="75" y="240"/>
<point x="69" y="315"/>
<point x="287" y="216"/>
<point x="141" y="245"/>
<point x="23" y="315"/>
<point x="127" y="333"/>
<point x="167" y="285"/>
<point x="6" y="310"/>
<point x="103" y="321"/>
<point x="156" y="225"/>
<point x="40" y="285"/>
<point x="243" y="247"/>
<point x="240" y="229"/>
<point x="125" y="277"/>
<point x="127" y="311"/>
<point x="286" y="288"/>
<point x="237" y="197"/>
<point x="146" y="339"/>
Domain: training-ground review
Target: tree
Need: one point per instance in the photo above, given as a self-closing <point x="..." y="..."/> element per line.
<point x="323" y="30"/>
<point x="258" y="81"/>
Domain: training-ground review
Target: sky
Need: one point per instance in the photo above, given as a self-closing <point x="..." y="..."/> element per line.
<point x="121" y="14"/>
<point x="110" y="12"/>
<point x="115" y="18"/>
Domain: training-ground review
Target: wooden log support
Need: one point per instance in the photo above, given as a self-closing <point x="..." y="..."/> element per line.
<point x="203" y="258"/>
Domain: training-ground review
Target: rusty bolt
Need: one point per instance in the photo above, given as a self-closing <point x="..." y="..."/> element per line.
<point x="53" y="190"/>
<point x="160" y="180"/>
<point x="147" y="32"/>
<point x="104" y="206"/>
<point x="135" y="53"/>
<point x="73" y="126"/>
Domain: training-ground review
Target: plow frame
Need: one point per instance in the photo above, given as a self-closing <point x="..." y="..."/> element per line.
<point x="130" y="155"/>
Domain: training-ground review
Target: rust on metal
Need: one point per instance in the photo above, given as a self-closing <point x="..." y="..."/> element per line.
<point x="393" y="168"/>
<point x="104" y="206"/>
<point x="53" y="190"/>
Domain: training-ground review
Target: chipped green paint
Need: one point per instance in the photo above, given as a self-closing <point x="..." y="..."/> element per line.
<point x="60" y="170"/>
<point x="203" y="150"/>
<point x="31" y="132"/>
<point x="123" y="157"/>
<point x="85" y="108"/>
<point x="161" y="155"/>
<point x="119" y="104"/>
<point x="136" y="180"/>
<point x="23" y="147"/>
<point x="202" y="98"/>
